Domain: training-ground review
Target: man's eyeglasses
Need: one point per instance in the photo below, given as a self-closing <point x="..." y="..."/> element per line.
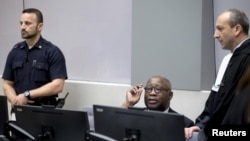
<point x="157" y="90"/>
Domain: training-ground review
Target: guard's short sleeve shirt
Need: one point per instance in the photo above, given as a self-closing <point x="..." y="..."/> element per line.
<point x="32" y="68"/>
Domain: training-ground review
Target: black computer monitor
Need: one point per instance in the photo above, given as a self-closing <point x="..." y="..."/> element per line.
<point x="45" y="123"/>
<point x="137" y="125"/>
<point x="4" y="113"/>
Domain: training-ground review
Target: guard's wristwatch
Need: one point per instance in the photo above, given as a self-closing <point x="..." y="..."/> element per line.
<point x="27" y="94"/>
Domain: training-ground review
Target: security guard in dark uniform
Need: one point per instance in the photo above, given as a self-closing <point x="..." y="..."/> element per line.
<point x="35" y="67"/>
<point x="35" y="70"/>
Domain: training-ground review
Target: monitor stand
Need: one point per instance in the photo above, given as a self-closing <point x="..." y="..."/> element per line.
<point x="132" y="135"/>
<point x="48" y="134"/>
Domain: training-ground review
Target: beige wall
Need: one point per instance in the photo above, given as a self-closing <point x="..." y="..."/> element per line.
<point x="189" y="103"/>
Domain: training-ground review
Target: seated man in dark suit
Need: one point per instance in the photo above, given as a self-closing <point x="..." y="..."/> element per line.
<point x="158" y="93"/>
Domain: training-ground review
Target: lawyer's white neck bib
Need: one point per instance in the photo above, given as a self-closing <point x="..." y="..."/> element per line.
<point x="221" y="72"/>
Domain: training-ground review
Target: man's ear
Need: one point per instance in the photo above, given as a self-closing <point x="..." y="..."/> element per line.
<point x="237" y="29"/>
<point x="171" y="95"/>
<point x="40" y="26"/>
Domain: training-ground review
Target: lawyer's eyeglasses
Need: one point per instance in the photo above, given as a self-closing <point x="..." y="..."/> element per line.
<point x="157" y="90"/>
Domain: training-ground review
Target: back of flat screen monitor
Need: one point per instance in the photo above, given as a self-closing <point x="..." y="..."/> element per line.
<point x="57" y="124"/>
<point x="137" y="125"/>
